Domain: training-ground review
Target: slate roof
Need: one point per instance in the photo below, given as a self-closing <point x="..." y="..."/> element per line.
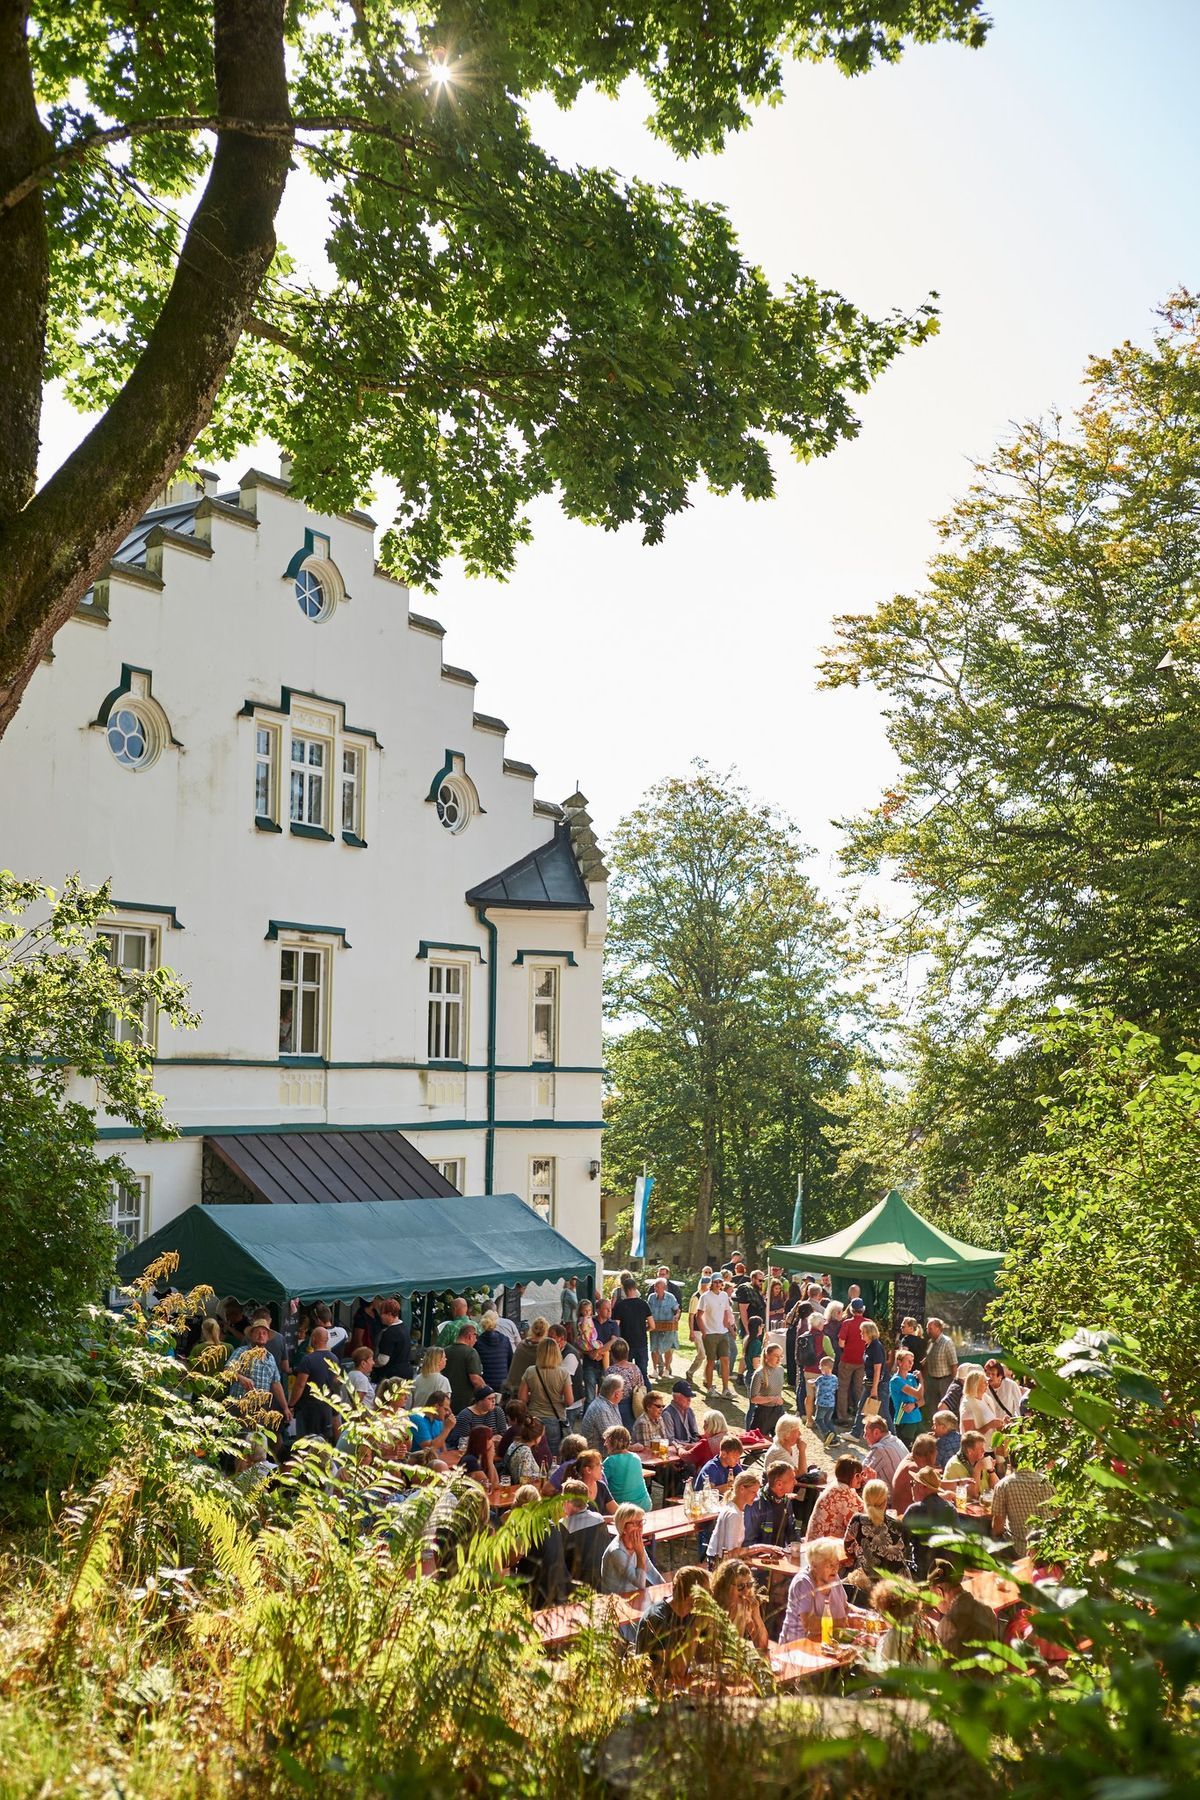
<point x="328" y="1167"/>
<point x="547" y="880"/>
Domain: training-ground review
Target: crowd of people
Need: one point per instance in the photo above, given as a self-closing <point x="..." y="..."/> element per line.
<point x="588" y="1407"/>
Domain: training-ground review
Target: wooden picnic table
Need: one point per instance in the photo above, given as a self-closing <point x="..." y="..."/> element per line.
<point x="669" y="1522"/>
<point x="557" y="1625"/>
<point x="998" y="1591"/>
<point x="501" y="1497"/>
<point x="801" y="1659"/>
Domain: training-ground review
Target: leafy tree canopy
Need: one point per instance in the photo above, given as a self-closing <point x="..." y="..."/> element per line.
<point x="59" y="999"/>
<point x="1041" y="694"/>
<point x="491" y="326"/>
<point x="1106" y="1228"/>
<point x="724" y="968"/>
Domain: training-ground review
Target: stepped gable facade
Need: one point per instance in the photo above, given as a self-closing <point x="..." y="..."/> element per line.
<point x="248" y="732"/>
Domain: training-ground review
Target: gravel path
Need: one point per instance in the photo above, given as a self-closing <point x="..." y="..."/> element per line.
<point x="735" y="1415"/>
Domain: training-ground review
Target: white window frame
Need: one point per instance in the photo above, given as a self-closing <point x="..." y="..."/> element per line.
<point x="543" y="1186"/>
<point x="266" y="757"/>
<point x="316" y="818"/>
<point x="117" y="934"/>
<point x="452" y="1168"/>
<point x="124" y="1197"/>
<point x="351" y="785"/>
<point x="298" y="985"/>
<point x="447" y="1007"/>
<point x="537" y="1001"/>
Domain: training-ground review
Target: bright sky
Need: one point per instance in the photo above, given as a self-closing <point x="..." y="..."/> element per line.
<point x="1046" y="188"/>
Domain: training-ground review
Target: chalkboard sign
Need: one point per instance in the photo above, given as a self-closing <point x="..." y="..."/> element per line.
<point x="908" y="1299"/>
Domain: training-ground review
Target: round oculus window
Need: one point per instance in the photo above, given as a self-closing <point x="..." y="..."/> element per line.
<point x="453" y="805"/>
<point x="310" y="595"/>
<point x="131" y="736"/>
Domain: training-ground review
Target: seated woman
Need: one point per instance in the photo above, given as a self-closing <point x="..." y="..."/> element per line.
<point x="729" y="1531"/>
<point x="649" y="1428"/>
<point x="816" y="1593"/>
<point x="668" y="1629"/>
<point x="480" y="1455"/>
<point x="589" y="1468"/>
<point x="875" y="1544"/>
<point x="715" y="1429"/>
<point x="569" y="1450"/>
<point x="626" y="1568"/>
<point x="543" y="1567"/>
<point x="906" y="1639"/>
<point x="431" y="1380"/>
<point x="623" y="1470"/>
<point x="521" y="1463"/>
<point x="788" y="1443"/>
<point x="734" y="1590"/>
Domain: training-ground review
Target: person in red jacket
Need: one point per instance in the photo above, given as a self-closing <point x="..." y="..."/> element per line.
<point x="850" y="1367"/>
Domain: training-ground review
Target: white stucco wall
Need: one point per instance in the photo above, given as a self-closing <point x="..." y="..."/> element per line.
<point x="225" y="630"/>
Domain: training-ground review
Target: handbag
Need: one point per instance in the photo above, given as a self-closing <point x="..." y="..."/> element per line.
<point x="870" y="1409"/>
<point x="548" y="1395"/>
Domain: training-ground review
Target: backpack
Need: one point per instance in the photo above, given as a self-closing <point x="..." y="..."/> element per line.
<point x="806" y="1352"/>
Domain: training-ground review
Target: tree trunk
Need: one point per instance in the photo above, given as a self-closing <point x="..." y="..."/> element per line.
<point x="55" y="544"/>
<point x="25" y="259"/>
<point x="704" y="1198"/>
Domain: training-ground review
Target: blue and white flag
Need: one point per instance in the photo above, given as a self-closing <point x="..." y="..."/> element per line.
<point x="641" y="1200"/>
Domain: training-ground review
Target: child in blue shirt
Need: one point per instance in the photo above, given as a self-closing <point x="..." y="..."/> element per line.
<point x="826" y="1398"/>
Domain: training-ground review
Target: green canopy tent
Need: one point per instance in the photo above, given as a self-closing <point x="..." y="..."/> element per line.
<point x="893" y="1240"/>
<point x="336" y="1253"/>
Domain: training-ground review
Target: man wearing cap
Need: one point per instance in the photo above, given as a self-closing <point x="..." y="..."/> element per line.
<point x="678" y="1420"/>
<point x="850" y="1367"/>
<point x="483" y="1410"/>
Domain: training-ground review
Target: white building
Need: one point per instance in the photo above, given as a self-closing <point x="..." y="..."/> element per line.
<point x="248" y="732"/>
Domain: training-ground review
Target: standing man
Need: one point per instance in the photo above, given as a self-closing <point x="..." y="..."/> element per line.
<point x="850" y="1368"/>
<point x="633" y="1318"/>
<point x="448" y="1330"/>
<point x="570" y="1303"/>
<point x="463" y="1369"/>
<point x="716" y="1317"/>
<point x="259" y="1371"/>
<point x="695" y="1329"/>
<point x="752" y="1304"/>
<point x="941" y="1360"/>
<point x="393" y="1352"/>
<point x="664" y="1312"/>
<point x="316" y="1389"/>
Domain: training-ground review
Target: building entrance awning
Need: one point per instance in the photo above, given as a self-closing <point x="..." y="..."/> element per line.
<point x="450" y="1242"/>
<point x="318" y="1167"/>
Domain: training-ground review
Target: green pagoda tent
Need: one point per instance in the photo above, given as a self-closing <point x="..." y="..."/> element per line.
<point x="893" y="1240"/>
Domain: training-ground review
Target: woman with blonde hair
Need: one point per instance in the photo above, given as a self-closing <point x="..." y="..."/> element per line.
<point x="978" y="1411"/>
<point x="524" y="1355"/>
<point x="875" y="1544"/>
<point x="735" y="1592"/>
<point x="816" y="1593"/>
<point x="430" y="1381"/>
<point x="788" y="1443"/>
<point x="546" y="1390"/>
<point x="494" y="1351"/>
